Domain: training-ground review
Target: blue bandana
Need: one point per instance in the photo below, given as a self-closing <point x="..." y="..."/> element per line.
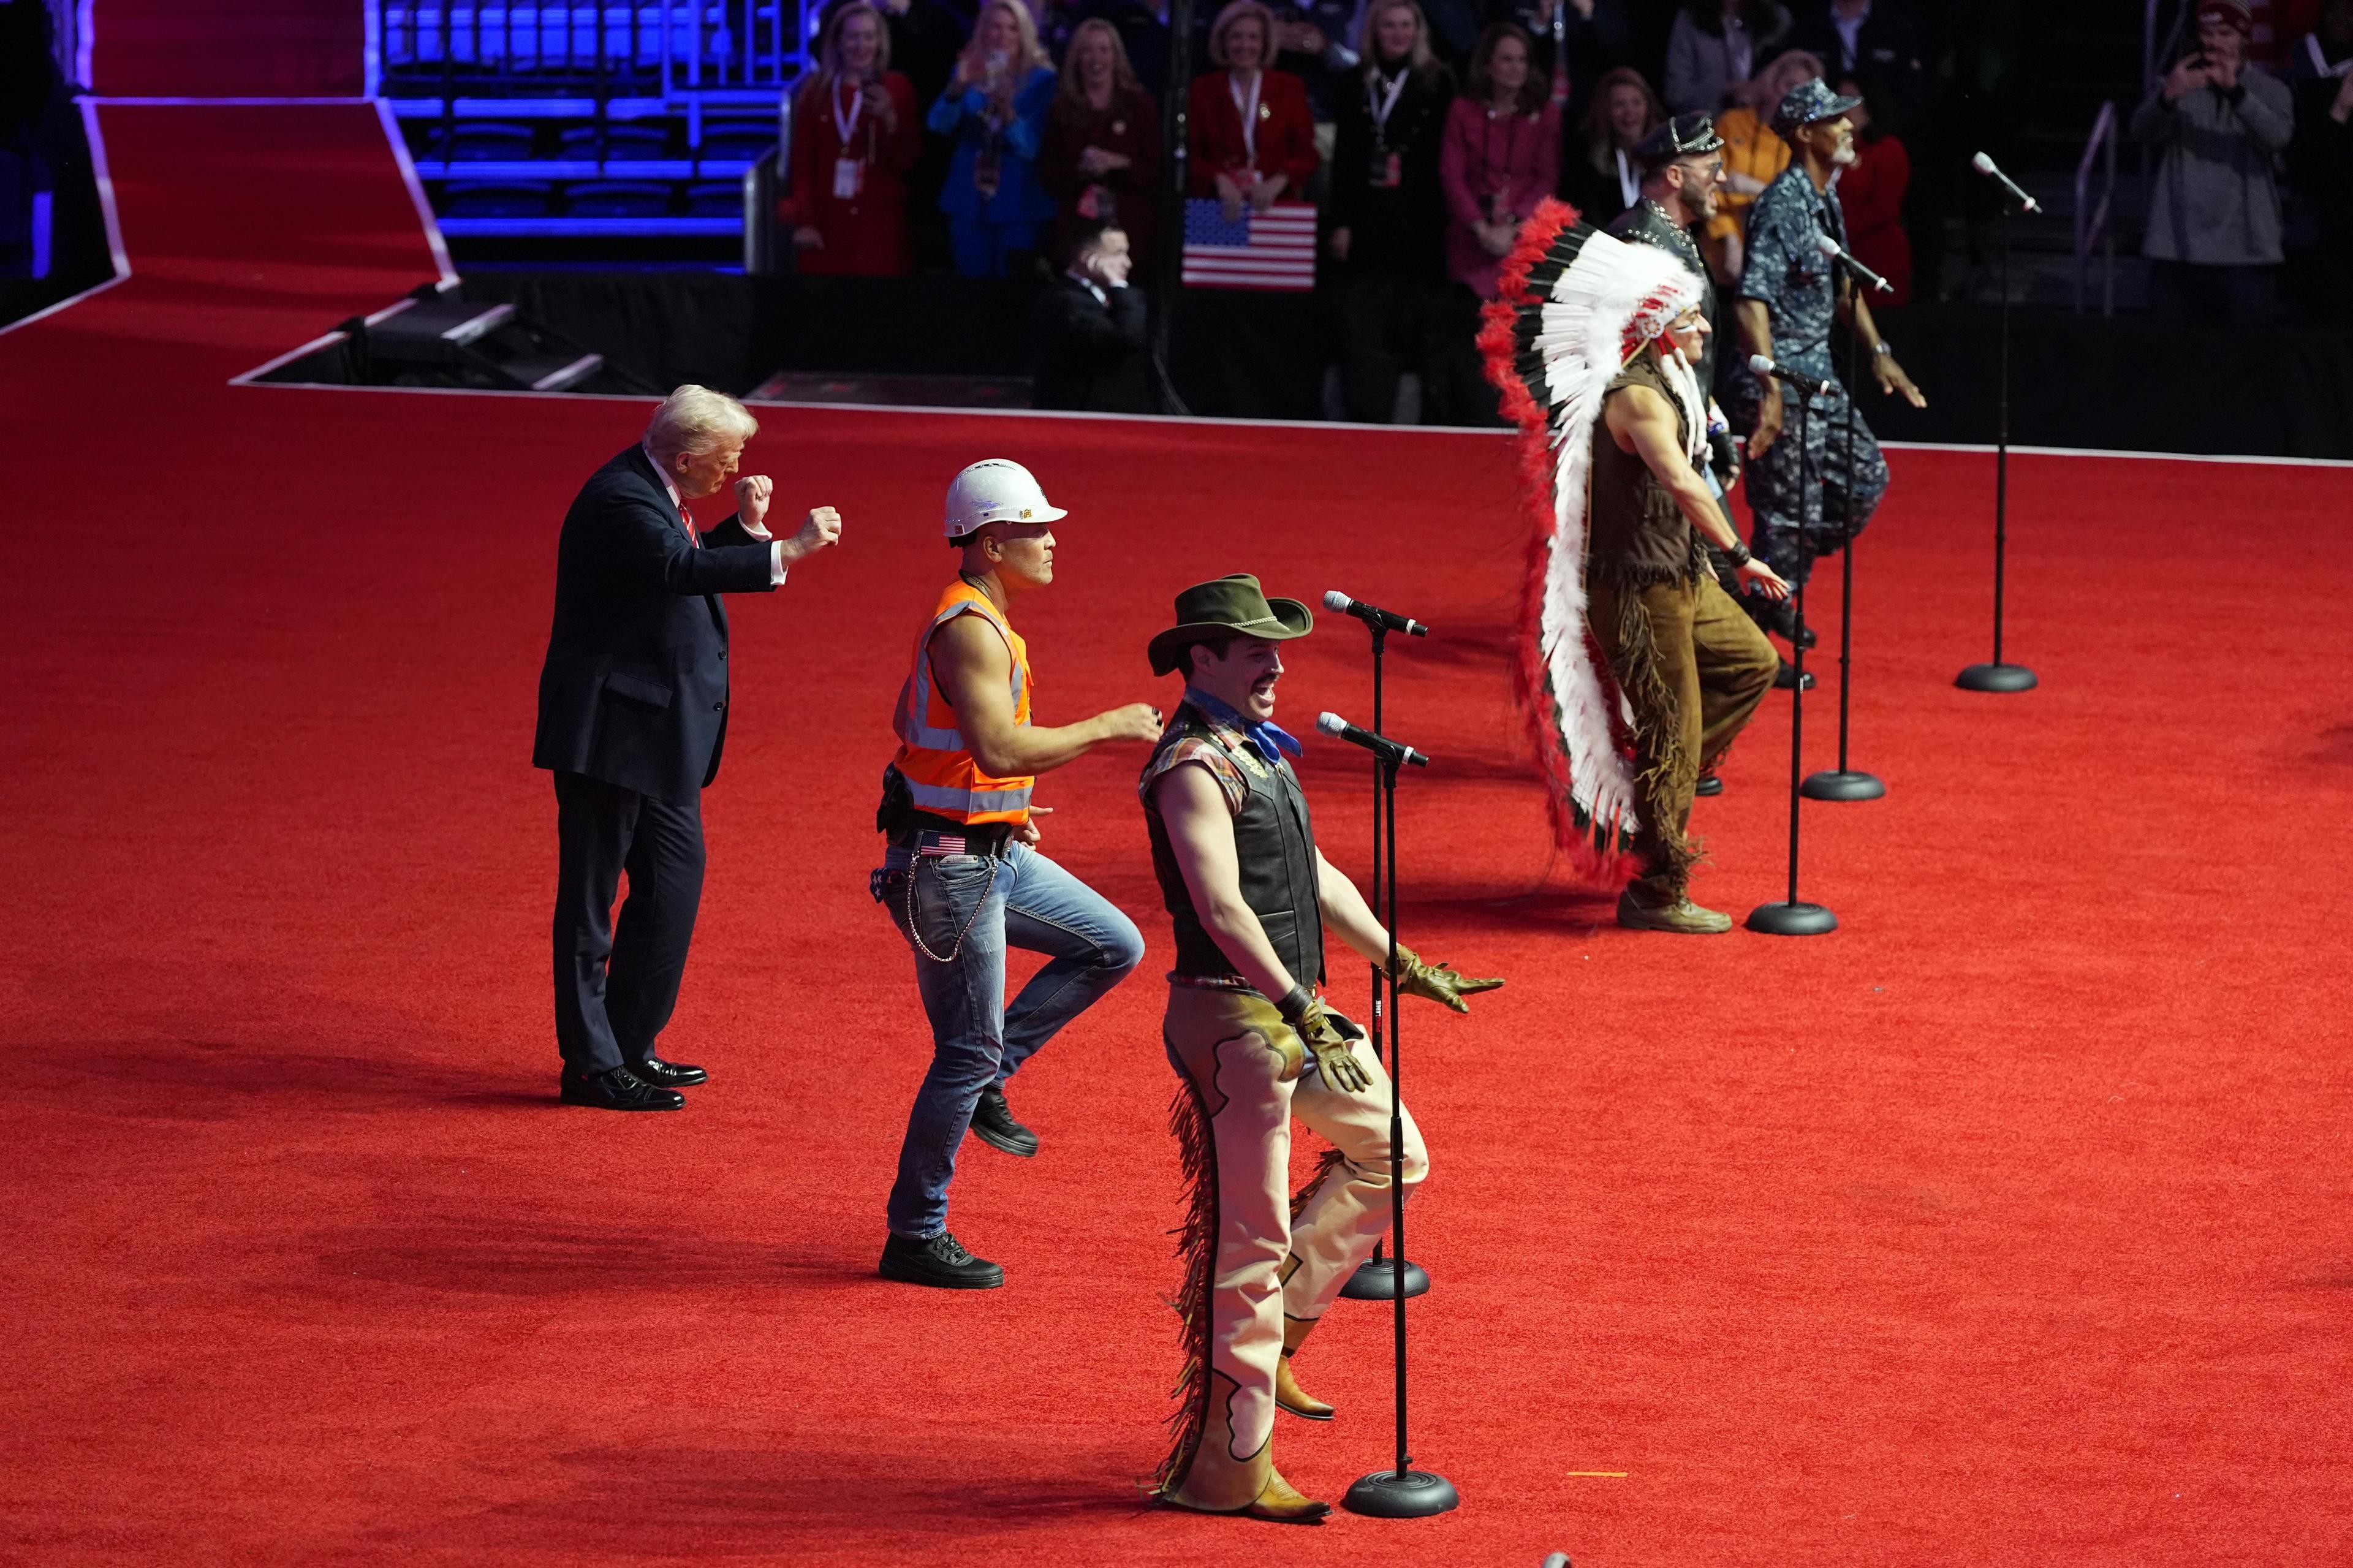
<point x="1271" y="738"/>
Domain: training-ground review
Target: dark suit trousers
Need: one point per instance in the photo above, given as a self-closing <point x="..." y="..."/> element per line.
<point x="615" y="982"/>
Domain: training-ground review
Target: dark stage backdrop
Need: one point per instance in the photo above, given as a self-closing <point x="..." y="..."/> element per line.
<point x="2116" y="383"/>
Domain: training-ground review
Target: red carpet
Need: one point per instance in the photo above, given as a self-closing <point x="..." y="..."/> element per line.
<point x="229" y="49"/>
<point x="2007" y="1225"/>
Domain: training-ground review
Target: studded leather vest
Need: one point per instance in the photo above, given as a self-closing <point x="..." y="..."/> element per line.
<point x="1274" y="847"/>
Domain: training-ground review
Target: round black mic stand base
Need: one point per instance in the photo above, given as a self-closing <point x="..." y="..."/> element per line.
<point x="1391" y="1494"/>
<point x="1376" y="1280"/>
<point x="1837" y="784"/>
<point x="1996" y="678"/>
<point x="1792" y="919"/>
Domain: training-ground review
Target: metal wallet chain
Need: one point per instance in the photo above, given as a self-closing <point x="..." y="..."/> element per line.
<point x="916" y="936"/>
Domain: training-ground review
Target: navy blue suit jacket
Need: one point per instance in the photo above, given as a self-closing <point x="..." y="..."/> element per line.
<point x="634" y="691"/>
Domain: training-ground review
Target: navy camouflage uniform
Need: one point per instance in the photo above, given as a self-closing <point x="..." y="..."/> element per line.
<point x="1788" y="274"/>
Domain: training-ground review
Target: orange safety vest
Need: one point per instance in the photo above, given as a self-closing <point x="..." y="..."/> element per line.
<point x="941" y="773"/>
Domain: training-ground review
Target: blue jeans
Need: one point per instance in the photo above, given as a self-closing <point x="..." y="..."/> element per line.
<point x="1023" y="899"/>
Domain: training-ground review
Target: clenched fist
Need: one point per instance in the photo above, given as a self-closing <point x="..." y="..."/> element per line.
<point x="822" y="529"/>
<point x="752" y="493"/>
<point x="1137" y="721"/>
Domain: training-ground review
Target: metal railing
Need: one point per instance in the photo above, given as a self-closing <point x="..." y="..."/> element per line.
<point x="2096" y="224"/>
<point x="689" y="54"/>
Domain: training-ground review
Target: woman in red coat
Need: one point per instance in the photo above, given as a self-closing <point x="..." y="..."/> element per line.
<point x="854" y="138"/>
<point x="1871" y="190"/>
<point x="1252" y="138"/>
<point x="1101" y="159"/>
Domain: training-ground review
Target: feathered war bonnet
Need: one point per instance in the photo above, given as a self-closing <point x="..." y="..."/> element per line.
<point x="1572" y="307"/>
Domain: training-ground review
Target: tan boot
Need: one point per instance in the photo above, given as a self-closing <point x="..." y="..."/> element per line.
<point x="1682" y="916"/>
<point x="1289" y="1395"/>
<point x="1285" y="1504"/>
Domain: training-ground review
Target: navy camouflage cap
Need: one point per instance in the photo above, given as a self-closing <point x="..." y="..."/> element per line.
<point x="1806" y="104"/>
<point x="1684" y="136"/>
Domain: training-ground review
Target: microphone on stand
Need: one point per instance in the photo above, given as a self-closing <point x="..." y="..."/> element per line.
<point x="1984" y="164"/>
<point x="1837" y="252"/>
<point x="1805" y="384"/>
<point x="1395" y="752"/>
<point x="1381" y="619"/>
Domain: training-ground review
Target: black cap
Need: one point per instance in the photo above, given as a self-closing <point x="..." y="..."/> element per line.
<point x="1684" y="136"/>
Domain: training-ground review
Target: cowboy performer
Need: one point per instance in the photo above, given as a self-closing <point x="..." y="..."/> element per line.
<point x="1251" y="897"/>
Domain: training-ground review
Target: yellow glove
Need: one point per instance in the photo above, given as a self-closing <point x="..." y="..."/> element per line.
<point x="1438" y="981"/>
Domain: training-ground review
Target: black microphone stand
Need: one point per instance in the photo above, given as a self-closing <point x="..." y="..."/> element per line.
<point x="1168" y="212"/>
<point x="1843" y="783"/>
<point x="1375" y="1280"/>
<point x="1402" y="1492"/>
<point x="1999" y="676"/>
<point x="1792" y="918"/>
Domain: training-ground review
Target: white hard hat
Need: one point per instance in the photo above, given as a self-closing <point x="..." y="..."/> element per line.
<point x="995" y="489"/>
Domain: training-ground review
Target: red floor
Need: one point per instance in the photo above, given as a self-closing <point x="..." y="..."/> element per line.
<point x="2009" y="1225"/>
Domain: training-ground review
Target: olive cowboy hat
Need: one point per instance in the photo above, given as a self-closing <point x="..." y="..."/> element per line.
<point x="1233" y="606"/>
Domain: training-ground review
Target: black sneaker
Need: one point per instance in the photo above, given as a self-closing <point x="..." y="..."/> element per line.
<point x="993" y="1124"/>
<point x="941" y="1262"/>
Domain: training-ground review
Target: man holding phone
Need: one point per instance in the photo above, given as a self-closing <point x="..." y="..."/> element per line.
<point x="2219" y="123"/>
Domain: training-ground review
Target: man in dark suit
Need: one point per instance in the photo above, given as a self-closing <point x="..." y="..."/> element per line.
<point x="632" y="713"/>
<point x="1087" y="336"/>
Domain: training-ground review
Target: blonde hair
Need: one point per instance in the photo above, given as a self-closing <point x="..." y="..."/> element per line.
<point x="1033" y="53"/>
<point x="695" y="420"/>
<point x="829" y="46"/>
<point x="1419" y="62"/>
<point x="1235" y="11"/>
<point x="1122" y="74"/>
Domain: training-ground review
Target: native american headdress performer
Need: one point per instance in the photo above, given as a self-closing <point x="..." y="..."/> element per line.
<point x="1574" y="306"/>
<point x="1636" y="668"/>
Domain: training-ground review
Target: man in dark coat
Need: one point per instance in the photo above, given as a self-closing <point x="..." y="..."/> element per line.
<point x="1088" y="333"/>
<point x="632" y="714"/>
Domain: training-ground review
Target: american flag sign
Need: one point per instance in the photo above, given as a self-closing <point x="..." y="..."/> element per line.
<point x="1270" y="249"/>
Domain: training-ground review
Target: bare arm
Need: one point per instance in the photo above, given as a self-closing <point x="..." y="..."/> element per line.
<point x="1884" y="368"/>
<point x="1756" y="321"/>
<point x="975" y="670"/>
<point x="1346" y="913"/>
<point x="1201" y="836"/>
<point x="1643" y="423"/>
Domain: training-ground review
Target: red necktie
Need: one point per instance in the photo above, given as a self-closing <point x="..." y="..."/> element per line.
<point x="692" y="537"/>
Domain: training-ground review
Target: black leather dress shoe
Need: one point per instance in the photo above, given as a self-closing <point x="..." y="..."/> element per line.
<point x="619" y="1089"/>
<point x="1708" y="784"/>
<point x="1787" y="678"/>
<point x="993" y="1124"/>
<point x="941" y="1263"/>
<point x="668" y="1075"/>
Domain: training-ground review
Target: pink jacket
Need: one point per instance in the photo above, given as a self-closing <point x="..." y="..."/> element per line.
<point x="1488" y="164"/>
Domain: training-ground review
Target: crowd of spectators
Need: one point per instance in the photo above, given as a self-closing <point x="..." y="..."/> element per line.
<point x="997" y="139"/>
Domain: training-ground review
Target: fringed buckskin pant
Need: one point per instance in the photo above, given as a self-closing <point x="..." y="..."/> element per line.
<point x="1693" y="668"/>
<point x="1253" y="1253"/>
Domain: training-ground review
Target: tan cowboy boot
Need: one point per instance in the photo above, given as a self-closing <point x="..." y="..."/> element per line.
<point x="1288" y="1394"/>
<point x="1285" y="1504"/>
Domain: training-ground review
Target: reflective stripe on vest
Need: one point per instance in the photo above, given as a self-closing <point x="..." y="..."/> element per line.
<point x="942" y="776"/>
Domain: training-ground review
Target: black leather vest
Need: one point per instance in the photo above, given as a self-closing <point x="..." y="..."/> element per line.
<point x="1274" y="847"/>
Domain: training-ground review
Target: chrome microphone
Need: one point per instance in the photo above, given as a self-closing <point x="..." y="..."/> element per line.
<point x="1372" y="616"/>
<point x="1984" y="164"/>
<point x="1397" y="754"/>
<point x="1832" y="250"/>
<point x="1805" y="384"/>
